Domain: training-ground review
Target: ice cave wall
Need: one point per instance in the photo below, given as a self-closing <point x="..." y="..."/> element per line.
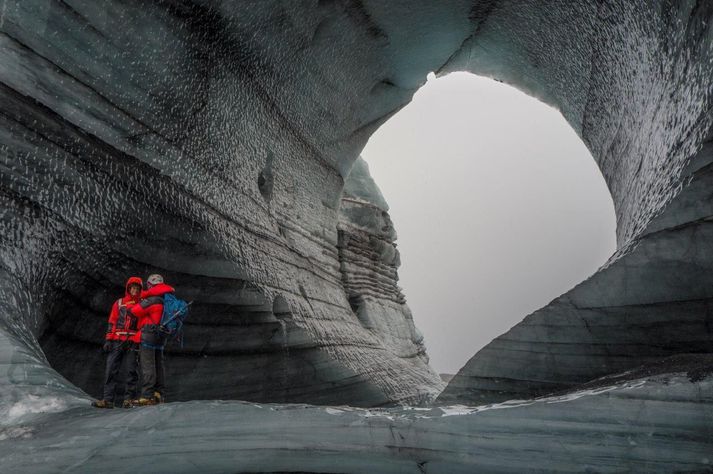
<point x="643" y="109"/>
<point x="189" y="139"/>
<point x="213" y="142"/>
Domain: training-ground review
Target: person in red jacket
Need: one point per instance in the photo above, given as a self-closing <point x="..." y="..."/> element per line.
<point x="121" y="346"/>
<point x="149" y="313"/>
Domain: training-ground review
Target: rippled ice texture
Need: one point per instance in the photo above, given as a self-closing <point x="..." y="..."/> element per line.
<point x="211" y="142"/>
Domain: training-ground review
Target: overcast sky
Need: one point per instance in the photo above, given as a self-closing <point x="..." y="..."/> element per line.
<point x="498" y="205"/>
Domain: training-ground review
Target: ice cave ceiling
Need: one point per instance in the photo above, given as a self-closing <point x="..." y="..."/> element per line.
<point x="217" y="142"/>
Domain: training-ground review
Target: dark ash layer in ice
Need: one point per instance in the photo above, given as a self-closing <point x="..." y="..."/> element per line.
<point x="216" y="142"/>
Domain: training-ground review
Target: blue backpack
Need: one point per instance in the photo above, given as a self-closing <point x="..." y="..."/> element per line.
<point x="175" y="311"/>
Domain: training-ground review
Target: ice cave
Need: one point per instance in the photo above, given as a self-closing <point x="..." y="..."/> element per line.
<point x="217" y="142"/>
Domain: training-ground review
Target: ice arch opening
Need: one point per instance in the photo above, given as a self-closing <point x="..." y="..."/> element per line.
<point x="498" y="205"/>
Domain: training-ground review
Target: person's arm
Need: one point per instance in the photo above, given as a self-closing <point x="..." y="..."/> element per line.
<point x="113" y="318"/>
<point x="111" y="326"/>
<point x="140" y="311"/>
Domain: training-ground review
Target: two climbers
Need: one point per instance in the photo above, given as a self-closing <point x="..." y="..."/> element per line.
<point x="150" y="311"/>
<point x="140" y="323"/>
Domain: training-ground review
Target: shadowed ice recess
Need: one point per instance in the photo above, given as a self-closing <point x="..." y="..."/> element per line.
<point x="217" y="143"/>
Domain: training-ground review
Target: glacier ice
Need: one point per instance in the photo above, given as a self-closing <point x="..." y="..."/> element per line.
<point x="656" y="425"/>
<point x="217" y="142"/>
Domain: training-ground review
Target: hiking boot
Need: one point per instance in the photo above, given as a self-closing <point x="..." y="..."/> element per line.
<point x="102" y="404"/>
<point x="143" y="402"/>
<point x="158" y="397"/>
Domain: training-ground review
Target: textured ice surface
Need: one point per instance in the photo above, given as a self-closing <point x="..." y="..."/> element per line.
<point x="212" y="141"/>
<point x="661" y="424"/>
<point x="634" y="80"/>
<point x="141" y="138"/>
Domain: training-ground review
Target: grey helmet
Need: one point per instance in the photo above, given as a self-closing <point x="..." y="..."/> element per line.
<point x="153" y="280"/>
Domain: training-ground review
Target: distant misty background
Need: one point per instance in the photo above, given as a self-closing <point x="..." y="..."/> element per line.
<point x="498" y="206"/>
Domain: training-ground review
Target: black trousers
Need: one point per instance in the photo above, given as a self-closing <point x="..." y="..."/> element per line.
<point x="121" y="376"/>
<point x="133" y="382"/>
<point x="152" y="370"/>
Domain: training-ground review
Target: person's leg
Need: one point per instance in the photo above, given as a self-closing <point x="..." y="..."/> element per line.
<point x="113" y="363"/>
<point x="120" y="386"/>
<point x="160" y="375"/>
<point x="133" y="385"/>
<point x="148" y="371"/>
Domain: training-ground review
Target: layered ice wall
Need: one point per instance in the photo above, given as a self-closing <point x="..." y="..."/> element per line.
<point x="217" y="143"/>
<point x="369" y="259"/>
<point x="209" y="142"/>
<point x="634" y="80"/>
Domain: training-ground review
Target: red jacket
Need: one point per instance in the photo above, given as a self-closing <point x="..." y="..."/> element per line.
<point x="123" y="325"/>
<point x="150" y="310"/>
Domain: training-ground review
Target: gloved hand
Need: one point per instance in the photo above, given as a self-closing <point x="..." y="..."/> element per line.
<point x="107" y="347"/>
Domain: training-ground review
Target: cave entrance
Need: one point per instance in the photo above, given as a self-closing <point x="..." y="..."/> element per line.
<point x="510" y="209"/>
